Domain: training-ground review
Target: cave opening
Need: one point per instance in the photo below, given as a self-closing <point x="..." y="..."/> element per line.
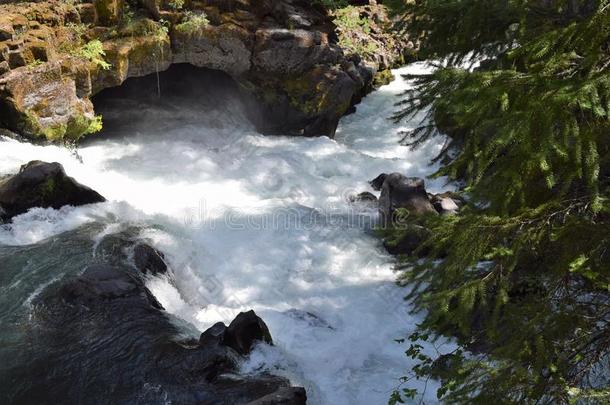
<point x="181" y="96"/>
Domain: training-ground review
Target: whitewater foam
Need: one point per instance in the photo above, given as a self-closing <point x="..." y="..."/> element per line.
<point x="255" y="222"/>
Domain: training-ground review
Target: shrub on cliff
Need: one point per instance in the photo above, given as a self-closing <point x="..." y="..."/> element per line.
<point x="522" y="277"/>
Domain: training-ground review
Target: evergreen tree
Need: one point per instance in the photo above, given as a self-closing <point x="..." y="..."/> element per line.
<point x="522" y="276"/>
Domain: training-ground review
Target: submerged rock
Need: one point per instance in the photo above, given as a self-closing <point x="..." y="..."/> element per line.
<point x="102" y="338"/>
<point x="283" y="396"/>
<point x="149" y="260"/>
<point x="311" y="319"/>
<point x="45" y="185"/>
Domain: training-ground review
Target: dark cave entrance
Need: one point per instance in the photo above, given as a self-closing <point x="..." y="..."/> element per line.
<point x="183" y="95"/>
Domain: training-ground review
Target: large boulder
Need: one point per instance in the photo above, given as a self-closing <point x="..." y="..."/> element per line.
<point x="241" y="335"/>
<point x="245" y="330"/>
<point x="41" y="184"/>
<point x="400" y="191"/>
<point x="104" y="334"/>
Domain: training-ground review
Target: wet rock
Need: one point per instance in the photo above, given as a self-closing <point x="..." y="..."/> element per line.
<point x="41" y="184"/>
<point x="100" y="283"/>
<point x="213" y="335"/>
<point x="149" y="260"/>
<point x="311" y="319"/>
<point x="105" y="323"/>
<point x="399" y="191"/>
<point x="377" y="182"/>
<point x="245" y="330"/>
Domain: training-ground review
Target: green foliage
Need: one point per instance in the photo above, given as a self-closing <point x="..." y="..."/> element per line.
<point x="193" y="23"/>
<point x="353" y="31"/>
<point x="94" y="52"/>
<point x="522" y="276"/>
<point x="176" y="4"/>
<point x="35" y="63"/>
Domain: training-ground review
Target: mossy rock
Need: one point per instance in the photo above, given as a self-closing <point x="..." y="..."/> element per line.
<point x="382" y="78"/>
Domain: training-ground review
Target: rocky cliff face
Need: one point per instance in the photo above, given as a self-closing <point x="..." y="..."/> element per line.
<point x="304" y="71"/>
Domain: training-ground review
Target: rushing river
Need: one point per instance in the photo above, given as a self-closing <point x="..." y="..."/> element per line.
<point x="246" y="222"/>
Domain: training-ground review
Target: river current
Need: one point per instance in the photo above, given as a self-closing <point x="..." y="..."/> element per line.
<point x="246" y="221"/>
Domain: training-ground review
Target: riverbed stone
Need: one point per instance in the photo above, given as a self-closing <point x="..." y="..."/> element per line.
<point x="45" y="185"/>
<point x="245" y="330"/>
<point x="105" y="323"/>
<point x="409" y="193"/>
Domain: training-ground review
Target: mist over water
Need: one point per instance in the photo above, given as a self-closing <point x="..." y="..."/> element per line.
<point x="249" y="222"/>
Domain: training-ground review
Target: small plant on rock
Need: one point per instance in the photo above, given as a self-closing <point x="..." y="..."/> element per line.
<point x="94" y="52"/>
<point x="193" y="23"/>
<point x="176" y="4"/>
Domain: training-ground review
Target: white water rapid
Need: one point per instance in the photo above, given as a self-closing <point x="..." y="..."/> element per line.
<point x="259" y="222"/>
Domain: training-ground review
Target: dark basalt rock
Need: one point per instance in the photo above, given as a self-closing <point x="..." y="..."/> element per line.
<point x="245" y="330"/>
<point x="412" y="239"/>
<point x="241" y="335"/>
<point x="41" y="184"/>
<point x="377" y="182"/>
<point x="213" y="335"/>
<point x="102" y="338"/>
<point x="102" y="282"/>
<point x="399" y="191"/>
<point x="149" y="260"/>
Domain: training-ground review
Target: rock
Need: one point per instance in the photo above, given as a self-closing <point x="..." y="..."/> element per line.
<point x="40" y="184"/>
<point x="364" y="197"/>
<point x="412" y="239"/>
<point x="108" y="11"/>
<point x="445" y="205"/>
<point x="283" y="396"/>
<point x="149" y="260"/>
<point x="377" y="182"/>
<point x="285" y="53"/>
<point x="100" y="283"/>
<point x="311" y="319"/>
<point x="223" y="48"/>
<point x="213" y="335"/>
<point x="245" y="330"/>
<point x="399" y="191"/>
<point x="105" y="323"/>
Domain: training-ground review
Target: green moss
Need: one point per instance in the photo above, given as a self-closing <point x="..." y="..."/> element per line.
<point x="304" y="94"/>
<point x="81" y="125"/>
<point x="73" y="130"/>
<point x="47" y="188"/>
<point x="383" y="77"/>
